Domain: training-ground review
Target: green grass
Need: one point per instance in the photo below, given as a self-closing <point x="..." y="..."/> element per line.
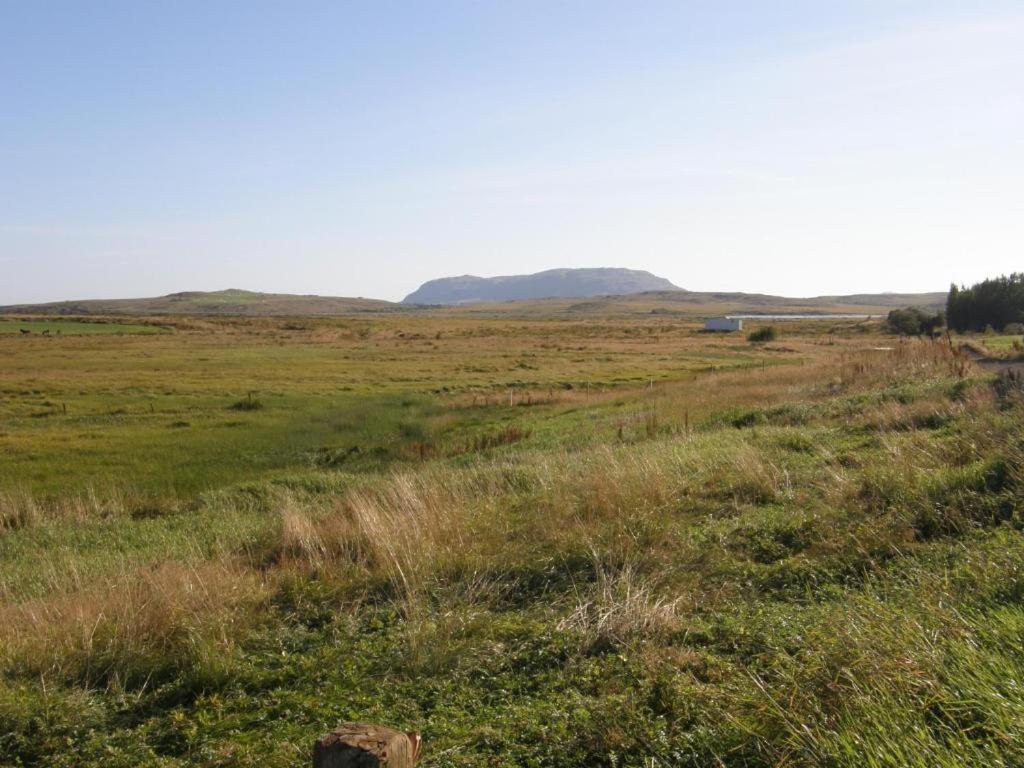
<point x="81" y="412"/>
<point x="696" y="560"/>
<point x="1002" y="343"/>
<point x="72" y="327"/>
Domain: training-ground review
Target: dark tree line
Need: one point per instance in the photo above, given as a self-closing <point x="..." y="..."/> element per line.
<point x="996" y="302"/>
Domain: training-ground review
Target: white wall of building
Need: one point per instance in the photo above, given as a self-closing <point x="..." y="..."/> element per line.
<point x="723" y="324"/>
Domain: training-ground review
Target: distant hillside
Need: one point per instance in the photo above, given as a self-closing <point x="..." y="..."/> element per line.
<point x="668" y="302"/>
<point x="229" y="302"/>
<point x="699" y="304"/>
<point x="861" y="303"/>
<point x="554" y="283"/>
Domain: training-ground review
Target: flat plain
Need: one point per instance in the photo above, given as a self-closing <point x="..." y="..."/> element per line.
<point x="540" y="538"/>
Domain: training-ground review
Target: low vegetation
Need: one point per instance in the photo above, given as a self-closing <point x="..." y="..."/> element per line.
<point x="538" y="542"/>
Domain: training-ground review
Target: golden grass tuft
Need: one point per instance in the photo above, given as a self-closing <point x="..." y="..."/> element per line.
<point x="406" y="529"/>
<point x="21" y="509"/>
<point x="18" y="509"/>
<point x="135" y="627"/>
<point x="401" y="529"/>
<point x="622" y="608"/>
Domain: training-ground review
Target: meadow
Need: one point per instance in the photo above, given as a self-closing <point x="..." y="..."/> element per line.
<point x="540" y="540"/>
<point x="1003" y="345"/>
<point x="46" y="326"/>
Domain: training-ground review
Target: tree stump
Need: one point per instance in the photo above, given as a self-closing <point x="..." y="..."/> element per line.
<point x="360" y="745"/>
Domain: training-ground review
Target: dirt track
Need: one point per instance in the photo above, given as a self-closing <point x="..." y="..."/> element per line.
<point x="993" y="364"/>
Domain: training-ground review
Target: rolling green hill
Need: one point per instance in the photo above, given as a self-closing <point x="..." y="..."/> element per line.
<point x="235" y="302"/>
<point x="697" y="304"/>
<point x="232" y="301"/>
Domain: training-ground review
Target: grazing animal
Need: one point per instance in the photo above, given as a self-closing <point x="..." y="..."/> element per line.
<point x="46" y="332"/>
<point x="25" y="330"/>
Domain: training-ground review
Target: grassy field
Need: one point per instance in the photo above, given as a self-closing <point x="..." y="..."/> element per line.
<point x="541" y="541"/>
<point x="50" y="326"/>
<point x="1003" y="344"/>
<point x="172" y="416"/>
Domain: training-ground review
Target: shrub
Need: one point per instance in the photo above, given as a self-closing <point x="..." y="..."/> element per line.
<point x="914" y="322"/>
<point x="249" y="403"/>
<point x="767" y="333"/>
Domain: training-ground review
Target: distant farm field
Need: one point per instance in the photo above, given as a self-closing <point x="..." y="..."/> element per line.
<point x="539" y="540"/>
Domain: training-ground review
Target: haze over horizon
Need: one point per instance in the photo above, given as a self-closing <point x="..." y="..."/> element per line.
<point x="352" y="150"/>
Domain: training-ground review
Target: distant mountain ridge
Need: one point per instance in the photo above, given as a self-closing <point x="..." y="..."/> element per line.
<point x="550" y="284"/>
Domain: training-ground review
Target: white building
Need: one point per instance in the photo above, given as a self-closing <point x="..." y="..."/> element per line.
<point x="723" y="324"/>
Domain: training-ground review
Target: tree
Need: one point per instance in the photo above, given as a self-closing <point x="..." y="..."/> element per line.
<point x="996" y="302"/>
<point x="914" y="321"/>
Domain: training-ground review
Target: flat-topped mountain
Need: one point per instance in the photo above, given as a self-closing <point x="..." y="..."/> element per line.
<point x="233" y="301"/>
<point x="553" y="283"/>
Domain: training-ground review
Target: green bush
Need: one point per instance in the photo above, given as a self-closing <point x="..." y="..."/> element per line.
<point x="914" y="322"/>
<point x="767" y="333"/>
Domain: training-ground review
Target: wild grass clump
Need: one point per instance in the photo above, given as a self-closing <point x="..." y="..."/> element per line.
<point x="248" y="403"/>
<point x="918" y="359"/>
<point x="744" y="475"/>
<point x="137" y="629"/>
<point x="21" y="509"/>
<point x="508" y="435"/>
<point x="18" y="509"/>
<point x="621" y="608"/>
<point x="401" y="532"/>
<point x="407" y="530"/>
<point x="1009" y="385"/>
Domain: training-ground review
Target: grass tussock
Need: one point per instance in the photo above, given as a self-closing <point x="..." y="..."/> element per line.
<point x="137" y="629"/>
<point x="622" y="607"/>
<point x="402" y="532"/>
<point x="19" y="508"/>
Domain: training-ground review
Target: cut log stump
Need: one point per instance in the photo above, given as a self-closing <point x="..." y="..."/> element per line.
<point x="360" y="745"/>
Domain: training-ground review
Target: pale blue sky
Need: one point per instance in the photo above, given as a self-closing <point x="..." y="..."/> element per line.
<point x="792" y="147"/>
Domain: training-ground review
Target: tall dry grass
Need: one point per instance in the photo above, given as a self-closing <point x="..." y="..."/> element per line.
<point x="135" y="628"/>
<point x="425" y="533"/>
<point x="20" y="508"/>
<point x="622" y="607"/>
<point x="402" y="530"/>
